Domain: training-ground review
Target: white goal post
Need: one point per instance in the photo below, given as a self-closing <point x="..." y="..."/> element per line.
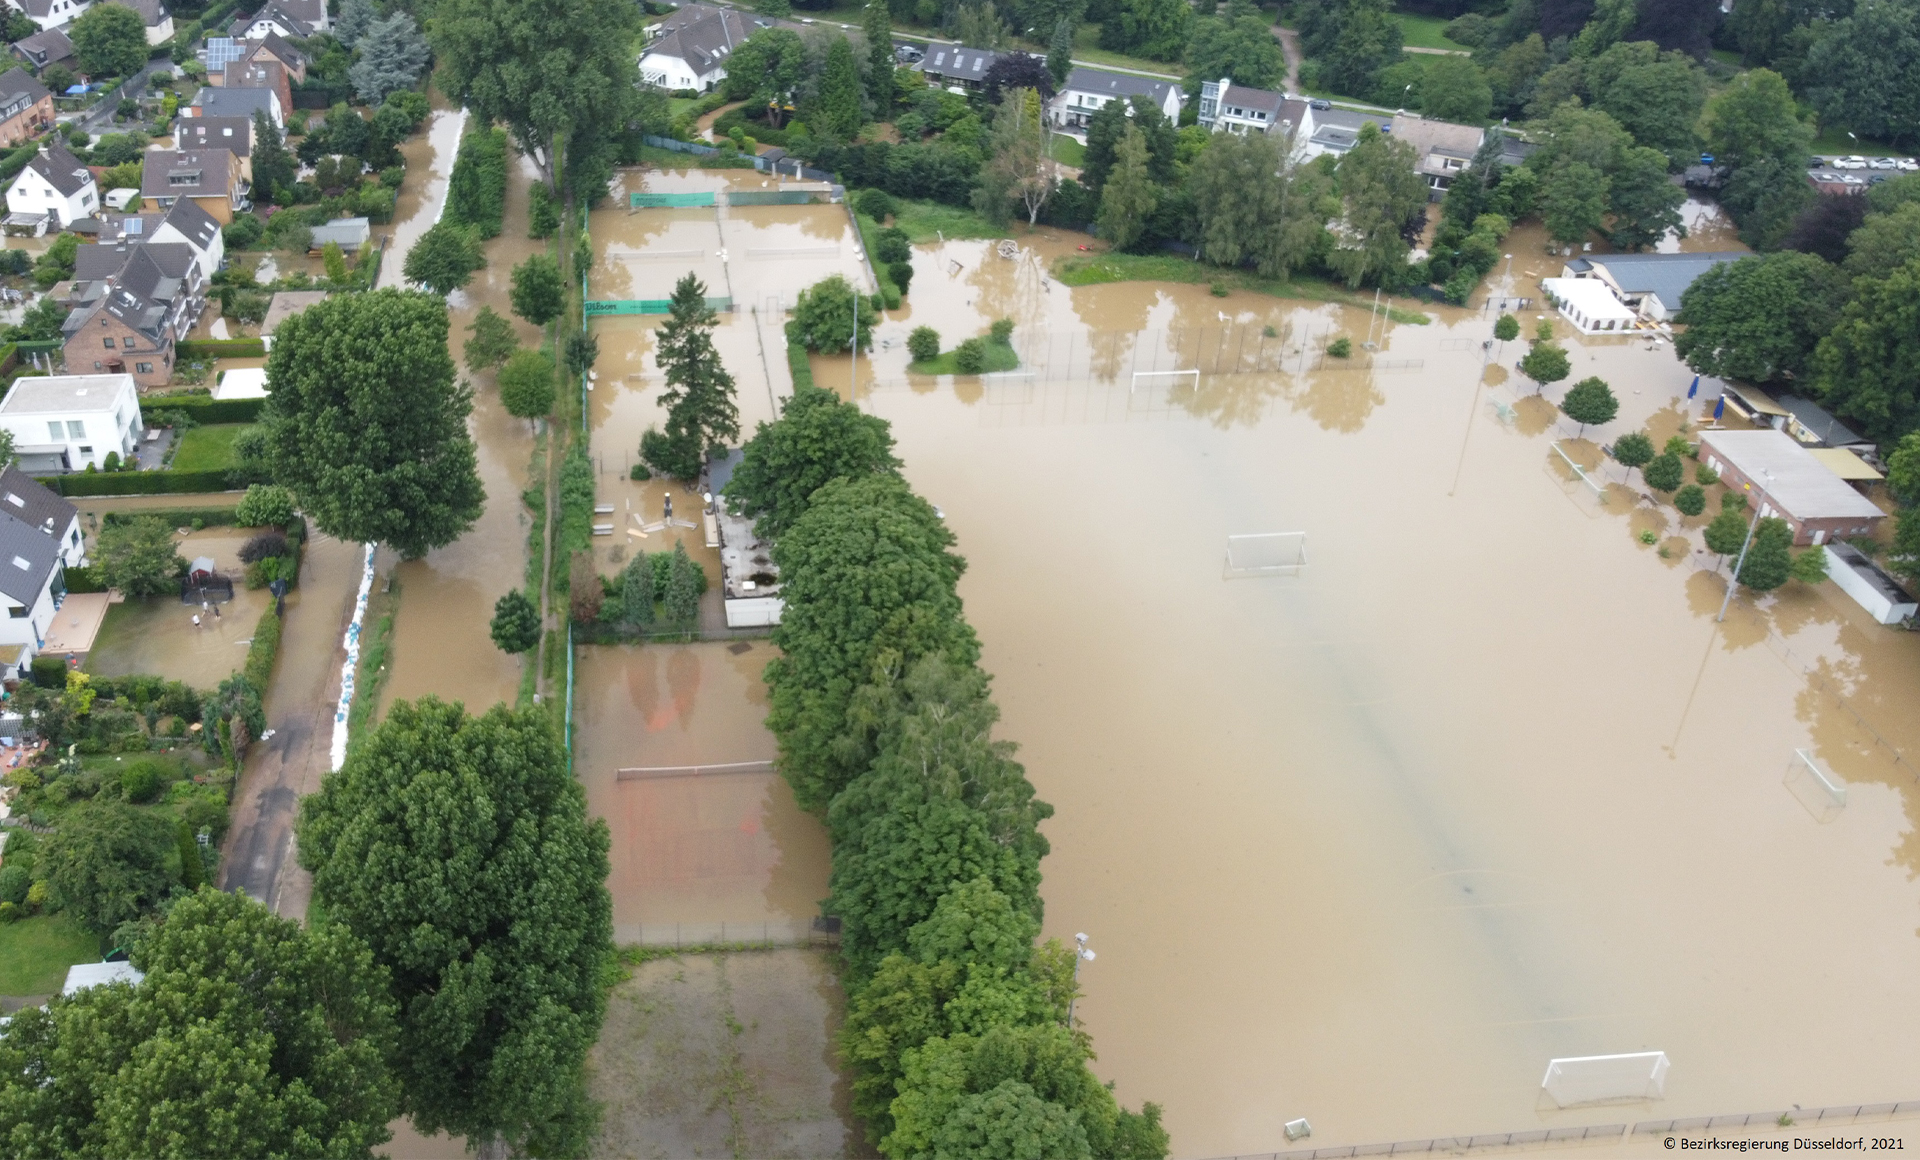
<point x="1266" y="554"/>
<point x="1598" y="1079"/>
<point x="1154" y="376"/>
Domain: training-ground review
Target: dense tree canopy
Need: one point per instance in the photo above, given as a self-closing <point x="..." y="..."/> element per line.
<point x="1868" y="369"/>
<point x="459" y="849"/>
<point x="818" y="438"/>
<point x="1255" y="201"/>
<point x="250" y="1036"/>
<point x="1380" y="192"/>
<point x="1754" y="119"/>
<point x="701" y="415"/>
<point x="109" y="863"/>
<point x="1759" y="318"/>
<point x="366" y="425"/>
<point x="109" y="40"/>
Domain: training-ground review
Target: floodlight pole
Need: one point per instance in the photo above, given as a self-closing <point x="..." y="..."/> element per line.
<point x="1080" y="954"/>
<point x="1734" y="579"/>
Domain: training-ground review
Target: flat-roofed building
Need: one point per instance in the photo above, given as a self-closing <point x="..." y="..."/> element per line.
<point x="1781" y="477"/>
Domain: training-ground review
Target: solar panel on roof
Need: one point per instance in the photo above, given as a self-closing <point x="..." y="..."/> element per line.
<point x="222" y="51"/>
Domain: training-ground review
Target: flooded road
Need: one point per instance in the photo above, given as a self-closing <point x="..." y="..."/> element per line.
<point x="440" y="640"/>
<point x="429" y="159"/>
<point x="1484" y="786"/>
<point x="692" y="850"/>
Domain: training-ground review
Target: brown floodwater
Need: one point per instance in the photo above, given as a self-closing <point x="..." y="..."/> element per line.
<point x="1483" y="786"/>
<point x="440" y="639"/>
<point x="429" y="159"/>
<point x="693" y="850"/>
<point x="157" y="634"/>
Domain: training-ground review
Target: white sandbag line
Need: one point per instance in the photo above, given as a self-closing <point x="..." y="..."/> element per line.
<point x="352" y="663"/>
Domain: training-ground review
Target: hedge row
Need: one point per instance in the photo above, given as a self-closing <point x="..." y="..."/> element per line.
<point x="137" y="483"/>
<point x="209" y="517"/>
<point x="207" y="409"/>
<point x="85" y="580"/>
<point x="797" y="359"/>
<point x="221" y="348"/>
<point x="263" y="650"/>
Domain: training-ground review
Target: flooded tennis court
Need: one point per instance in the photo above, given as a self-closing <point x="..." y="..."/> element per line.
<point x="1481" y="786"/>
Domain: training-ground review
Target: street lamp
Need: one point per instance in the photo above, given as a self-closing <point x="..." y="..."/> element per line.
<point x="1080" y="954"/>
<point x="1734" y="580"/>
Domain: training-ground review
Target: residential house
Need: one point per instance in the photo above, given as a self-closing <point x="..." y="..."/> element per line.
<point x="45" y="48"/>
<point x="286" y="304"/>
<point x="293" y="19"/>
<point x="347" y="233"/>
<point x="1855" y="574"/>
<point x="159" y="19"/>
<point x="1336" y="130"/>
<point x="1227" y="107"/>
<point x="56" y="185"/>
<point x="951" y="66"/>
<point x="261" y="73"/>
<point x="222" y="53"/>
<point x="62" y="423"/>
<point x="234" y="134"/>
<point x="1649" y="283"/>
<point x="1780" y="477"/>
<point x="26" y="107"/>
<point x="1088" y="90"/>
<point x="49" y="14"/>
<point x="132" y="301"/>
<point x="225" y="102"/>
<point x="1443" y="148"/>
<point x="183" y="224"/>
<point x="40" y="538"/>
<point x="691" y="46"/>
<point x="209" y="177"/>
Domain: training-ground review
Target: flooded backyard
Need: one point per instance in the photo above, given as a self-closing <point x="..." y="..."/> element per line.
<point x="157" y="634"/>
<point x="1483" y="786"/>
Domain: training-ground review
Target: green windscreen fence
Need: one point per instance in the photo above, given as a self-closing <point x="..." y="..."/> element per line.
<point x="664" y="200"/>
<point x="648" y="306"/>
<point x="771" y="197"/>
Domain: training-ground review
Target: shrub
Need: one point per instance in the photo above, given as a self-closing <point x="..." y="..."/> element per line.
<point x="141" y="781"/>
<point x="262" y="546"/>
<point x="924" y="344"/>
<point x="1341" y="347"/>
<point x="638" y="472"/>
<point x="875" y="203"/>
<point x="1691" y="500"/>
<point x="49" y="672"/>
<point x="543" y="212"/>
<point x="893" y="246"/>
<point x="1705" y="476"/>
<point x="901" y="273"/>
<point x="1001" y="331"/>
<point x="9" y="912"/>
<point x="970" y="357"/>
<point x="15" y="881"/>
<point x="265" y="505"/>
<point x="1665" y="472"/>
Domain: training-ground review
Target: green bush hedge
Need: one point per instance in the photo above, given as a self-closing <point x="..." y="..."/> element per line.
<point x="797" y="358"/>
<point x="85" y="580"/>
<point x="220" y="348"/>
<point x="209" y="517"/>
<point x="206" y="409"/>
<point x="137" y="483"/>
<point x="263" y="650"/>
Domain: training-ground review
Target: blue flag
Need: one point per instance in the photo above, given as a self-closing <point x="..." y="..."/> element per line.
<point x="1719" y="408"/>
<point x="1695" y="388"/>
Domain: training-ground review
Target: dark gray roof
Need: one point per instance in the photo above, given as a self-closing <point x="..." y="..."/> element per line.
<point x="197" y="224"/>
<point x="151" y="11"/>
<point x="279" y="46"/>
<point x="31" y="503"/>
<point x="1665" y="276"/>
<point x="189" y="172"/>
<point x="62" y="169"/>
<point x="234" y="134"/>
<point x="1112" y="84"/>
<point x="28" y="555"/>
<point x="703" y="37"/>
<point x="18" y="90"/>
<point x="1870" y="572"/>
<point x="233" y="102"/>
<point x="956" y="63"/>
<point x="296" y="19"/>
<point x="1816" y="419"/>
<point x="1240" y="100"/>
<point x="138" y="283"/>
<point x="44" y="48"/>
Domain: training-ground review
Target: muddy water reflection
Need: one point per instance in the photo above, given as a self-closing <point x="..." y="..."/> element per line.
<point x="692" y="849"/>
<point x="1484" y="786"/>
<point x="429" y="157"/>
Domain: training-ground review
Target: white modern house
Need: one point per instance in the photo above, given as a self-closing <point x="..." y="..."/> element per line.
<point x="40" y="539"/>
<point x="55" y="185"/>
<point x="1229" y="108"/>
<point x="1088" y="90"/>
<point x="62" y="423"/>
<point x="691" y="48"/>
<point x="51" y="14"/>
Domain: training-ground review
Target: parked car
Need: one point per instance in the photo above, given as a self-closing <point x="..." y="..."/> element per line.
<point x="1883" y="163"/>
<point x="907" y="54"/>
<point x="1907" y="165"/>
<point x="1854" y="162"/>
<point x="1317" y="104"/>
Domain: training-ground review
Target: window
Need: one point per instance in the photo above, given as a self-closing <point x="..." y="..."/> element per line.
<point x="143" y="368"/>
<point x="57" y="430"/>
<point x="17" y="611"/>
<point x="108" y="342"/>
<point x="86" y="451"/>
<point x="76" y="429"/>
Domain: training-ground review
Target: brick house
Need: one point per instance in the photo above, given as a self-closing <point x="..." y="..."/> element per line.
<point x="26" y="107"/>
<point x="1781" y="477"/>
<point x="131" y="303"/>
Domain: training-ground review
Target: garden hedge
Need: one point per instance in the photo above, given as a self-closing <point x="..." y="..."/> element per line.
<point x="206" y="409"/>
<point x="137" y="482"/>
<point x="209" y="517"/>
<point x="221" y="348"/>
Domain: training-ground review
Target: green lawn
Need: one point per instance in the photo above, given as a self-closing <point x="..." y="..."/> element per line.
<point x="36" y="952"/>
<point x="207" y="448"/>
<point x="1086" y="46"/>
<point x="1067" y="151"/>
<point x="1424" y="32"/>
<point x="929" y="221"/>
<point x="1833" y="141"/>
<point x="1095" y="269"/>
<point x="999" y="358"/>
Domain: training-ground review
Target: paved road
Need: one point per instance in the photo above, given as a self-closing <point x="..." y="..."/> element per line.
<point x="259" y="856"/>
<point x="99" y="118"/>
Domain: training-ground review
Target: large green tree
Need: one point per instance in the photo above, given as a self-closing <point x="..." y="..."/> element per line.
<point x="1755" y="119"/>
<point x="1573" y="201"/>
<point x="444" y="258"/>
<point x="139" y="557"/>
<point x="1239" y="45"/>
<point x="1352" y="40"/>
<point x="1884" y="242"/>
<point x="817" y="439"/>
<point x="827" y="314"/>
<point x="1645" y="202"/>
<point x="867" y="570"/>
<point x="1380" y="191"/>
<point x="1590" y="402"/>
<point x="1760" y="318"/>
<point x="1863" y="70"/>
<point x="274" y="170"/>
<point x="250" y="1036"/>
<point x="1455" y="89"/>
<point x="836" y="109"/>
<point x="526" y="385"/>
<point x="538" y="294"/>
<point x="1129" y="196"/>
<point x="1018" y="171"/>
<point x="109" y="40"/>
<point x="1656" y="96"/>
<point x="1254" y="201"/>
<point x="765" y="71"/>
<point x="1769" y="562"/>
<point x="880" y="62"/>
<point x="108" y="863"/>
<point x="560" y="74"/>
<point x="366" y="425"/>
<point x="701" y="415"/>
<point x="1868" y="369"/>
<point x="1154" y="29"/>
<point x="460" y="850"/>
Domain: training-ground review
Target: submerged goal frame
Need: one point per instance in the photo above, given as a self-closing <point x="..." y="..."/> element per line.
<point x="1247" y="567"/>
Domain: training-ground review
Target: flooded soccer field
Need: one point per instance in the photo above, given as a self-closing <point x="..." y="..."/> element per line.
<point x="1483" y="785"/>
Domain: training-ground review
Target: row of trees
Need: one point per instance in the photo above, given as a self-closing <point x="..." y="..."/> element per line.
<point x="957" y="1030"/>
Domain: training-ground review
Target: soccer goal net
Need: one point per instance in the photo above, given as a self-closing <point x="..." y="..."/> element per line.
<point x="1266" y="554"/>
<point x="1596" y="1079"/>
<point x="1819" y="790"/>
<point x="1164" y="380"/>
